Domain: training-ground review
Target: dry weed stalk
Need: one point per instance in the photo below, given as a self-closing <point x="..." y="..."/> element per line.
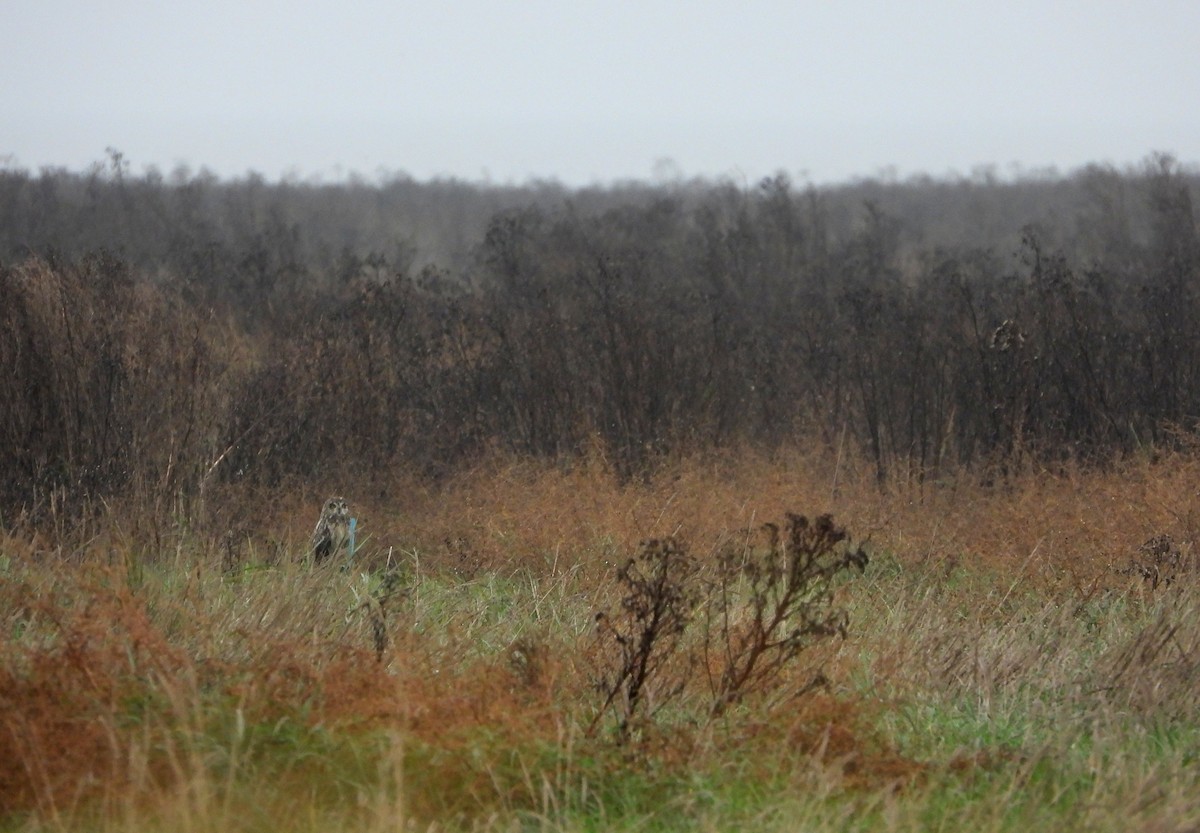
<point x="1160" y="560"/>
<point x="376" y="606"/>
<point x="768" y="602"/>
<point x="762" y="608"/>
<point x="655" y="611"/>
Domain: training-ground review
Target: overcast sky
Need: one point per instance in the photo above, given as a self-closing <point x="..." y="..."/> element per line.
<point x="585" y="92"/>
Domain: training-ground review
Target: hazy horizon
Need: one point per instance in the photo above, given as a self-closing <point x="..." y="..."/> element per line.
<point x="581" y="94"/>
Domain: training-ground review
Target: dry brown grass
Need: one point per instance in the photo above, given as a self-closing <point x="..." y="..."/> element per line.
<point x="1069" y="526"/>
<point x="135" y="683"/>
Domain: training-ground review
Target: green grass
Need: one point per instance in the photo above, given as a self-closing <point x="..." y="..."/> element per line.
<point x="251" y="701"/>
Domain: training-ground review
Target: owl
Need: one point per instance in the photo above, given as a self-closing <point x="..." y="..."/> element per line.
<point x="332" y="534"/>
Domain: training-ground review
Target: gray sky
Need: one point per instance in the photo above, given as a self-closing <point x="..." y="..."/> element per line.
<point x="584" y="91"/>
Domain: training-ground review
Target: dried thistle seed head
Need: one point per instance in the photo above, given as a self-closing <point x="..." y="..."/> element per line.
<point x="827" y="529"/>
<point x="796" y="522"/>
<point x="1157" y="546"/>
<point x="1160" y="560"/>
<point x="1008" y="336"/>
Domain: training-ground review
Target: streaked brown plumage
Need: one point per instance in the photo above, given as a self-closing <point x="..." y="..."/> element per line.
<point x="332" y="533"/>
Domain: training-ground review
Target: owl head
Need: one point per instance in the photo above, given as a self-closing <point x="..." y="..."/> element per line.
<point x="336" y="508"/>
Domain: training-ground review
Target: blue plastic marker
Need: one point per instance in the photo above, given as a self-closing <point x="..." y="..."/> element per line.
<point x="350" y="543"/>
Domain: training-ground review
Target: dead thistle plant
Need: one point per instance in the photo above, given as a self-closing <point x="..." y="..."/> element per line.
<point x="766" y="600"/>
<point x="770" y="598"/>
<point x="658" y="604"/>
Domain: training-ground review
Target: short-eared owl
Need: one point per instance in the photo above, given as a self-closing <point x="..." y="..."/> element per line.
<point x="332" y="534"/>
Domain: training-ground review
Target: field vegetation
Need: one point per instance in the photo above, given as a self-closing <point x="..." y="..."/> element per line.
<point x="695" y="507"/>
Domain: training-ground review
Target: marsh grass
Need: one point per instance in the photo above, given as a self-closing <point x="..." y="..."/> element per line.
<point x="998" y="672"/>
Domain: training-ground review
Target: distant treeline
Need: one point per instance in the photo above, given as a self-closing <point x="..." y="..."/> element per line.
<point x="158" y="334"/>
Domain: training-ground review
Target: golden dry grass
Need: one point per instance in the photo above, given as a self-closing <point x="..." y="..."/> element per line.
<point x="996" y="652"/>
<point x="1063" y="525"/>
